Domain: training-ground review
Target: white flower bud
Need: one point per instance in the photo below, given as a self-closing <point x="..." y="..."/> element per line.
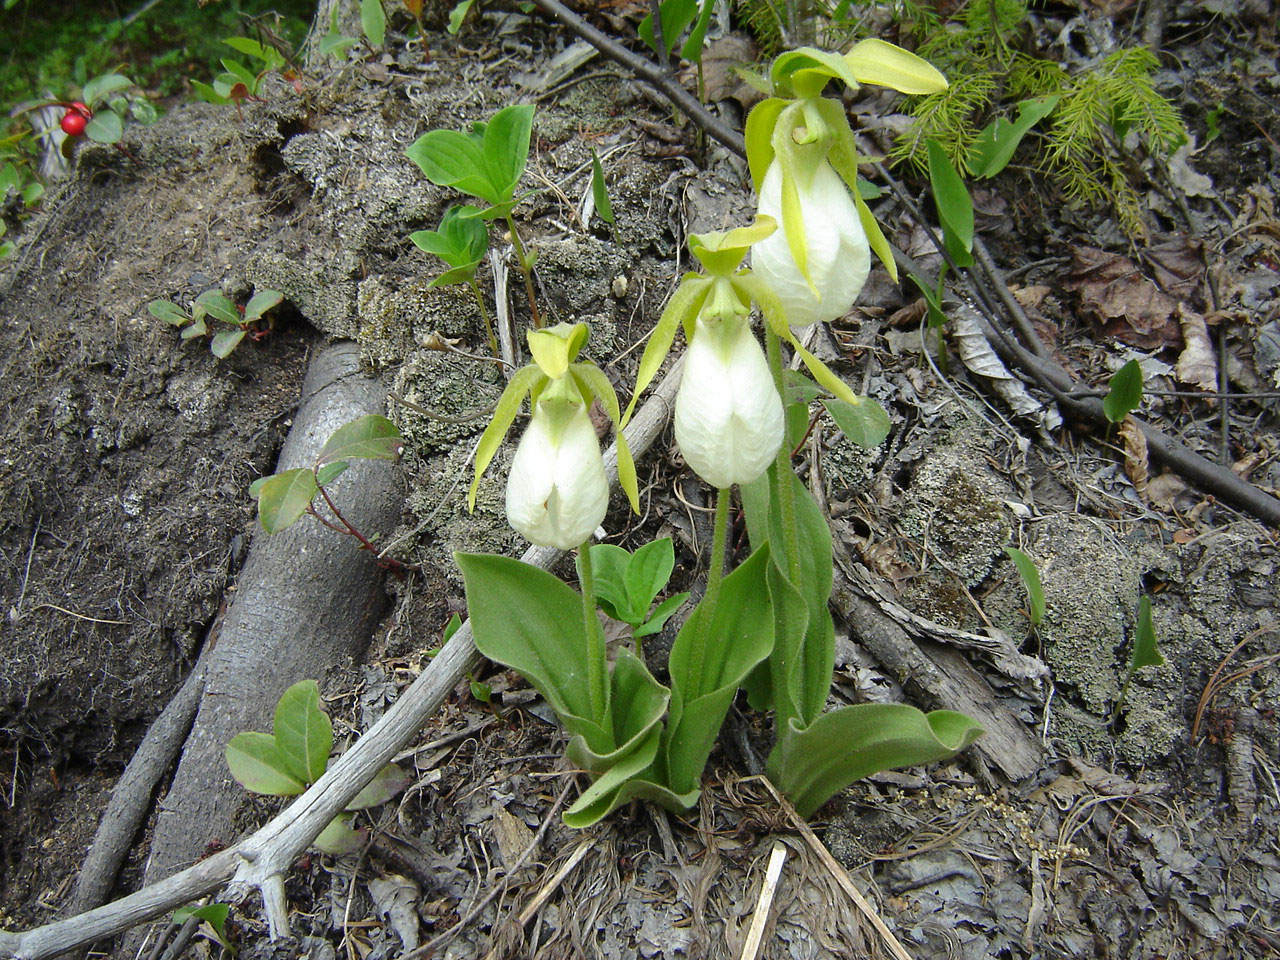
<point x="838" y="256"/>
<point x="557" y="492"/>
<point x="729" y="422"/>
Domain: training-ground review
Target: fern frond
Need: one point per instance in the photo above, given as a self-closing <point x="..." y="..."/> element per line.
<point x="949" y="118"/>
<point x="766" y="20"/>
<point x="1032" y="77"/>
<point x="1128" y="84"/>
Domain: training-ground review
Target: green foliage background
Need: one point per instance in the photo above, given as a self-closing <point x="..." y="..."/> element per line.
<point x="52" y="47"/>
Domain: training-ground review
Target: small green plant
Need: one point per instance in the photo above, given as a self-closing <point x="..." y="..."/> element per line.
<point x="628" y="583"/>
<point x="1030" y="575"/>
<point x="461" y="241"/>
<point x="1145" y="652"/>
<point x="239" y="83"/>
<point x="1086" y="116"/>
<point x="213" y="922"/>
<point x="283" y="498"/>
<point x="105" y="103"/>
<point x="373" y="24"/>
<point x="215" y="316"/>
<point x="1125" y="394"/>
<point x="679" y="16"/>
<point x="600" y="196"/>
<point x="296" y="754"/>
<point x="486" y="163"/>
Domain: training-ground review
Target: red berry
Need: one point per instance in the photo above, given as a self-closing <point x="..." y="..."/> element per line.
<point x="81" y="109"/>
<point x="73" y="123"/>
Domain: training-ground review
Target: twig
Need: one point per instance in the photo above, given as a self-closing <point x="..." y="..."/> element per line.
<point x="838" y="873"/>
<point x="649" y="72"/>
<point x="755" y="934"/>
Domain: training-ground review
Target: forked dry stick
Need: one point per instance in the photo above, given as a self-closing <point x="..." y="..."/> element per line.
<point x="261" y="861"/>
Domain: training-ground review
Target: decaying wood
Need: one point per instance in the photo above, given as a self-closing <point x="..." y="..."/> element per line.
<point x="938" y="677"/>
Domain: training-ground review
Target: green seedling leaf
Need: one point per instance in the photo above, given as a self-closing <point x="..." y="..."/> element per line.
<point x="371" y="437"/>
<point x="1030" y="575"/>
<point x="955" y="207"/>
<point x="330" y="472"/>
<point x="506" y="146"/>
<point x="284" y="497"/>
<point x="599" y="192"/>
<point x="105" y="127"/>
<point x="389" y="781"/>
<point x="661" y="614"/>
<point x="457" y="15"/>
<point x="258" y="764"/>
<point x="461" y="241"/>
<point x="486" y="163"/>
<point x="1125" y="394"/>
<point x="303" y="731"/>
<point x="373" y="20"/>
<point x="865" y="423"/>
<point x="224" y="342"/>
<point x="334" y="43"/>
<point x="261" y="302"/>
<point x="204" y="91"/>
<point x="169" y="312"/>
<point x="692" y="49"/>
<point x="811" y="764"/>
<point x="242" y="74"/>
<point x="996" y="144"/>
<point x="1145" y="652"/>
<point x="214" y="915"/>
<point x="676" y="16"/>
<point x="219" y="307"/>
<point x="339" y="838"/>
<point x="480" y="691"/>
<point x="100" y="88"/>
<point x="647" y="573"/>
<point x="198" y="329"/>
<point x="452" y="627"/>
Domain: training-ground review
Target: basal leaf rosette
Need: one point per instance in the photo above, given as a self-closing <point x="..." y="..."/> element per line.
<point x="557" y="491"/>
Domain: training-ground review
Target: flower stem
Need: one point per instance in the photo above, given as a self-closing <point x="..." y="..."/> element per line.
<point x="711" y="599"/>
<point x="527" y="269"/>
<point x="784" y="495"/>
<point x="484" y="315"/>
<point x="597" y="672"/>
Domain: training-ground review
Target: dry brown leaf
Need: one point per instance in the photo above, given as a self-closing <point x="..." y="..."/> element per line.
<point x="723" y="81"/>
<point x="1030" y="298"/>
<point x="1164" y="490"/>
<point x="1136" y="463"/>
<point x="1177" y="265"/>
<point x="1130" y="307"/>
<point x="1197" y="364"/>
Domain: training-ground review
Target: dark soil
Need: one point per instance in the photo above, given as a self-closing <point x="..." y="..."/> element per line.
<point x="124" y="516"/>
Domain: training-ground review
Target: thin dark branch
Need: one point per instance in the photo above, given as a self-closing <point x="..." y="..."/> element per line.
<point x="651" y="73"/>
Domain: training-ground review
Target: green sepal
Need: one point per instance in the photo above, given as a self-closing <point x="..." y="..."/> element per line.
<point x="843" y="158"/>
<point x="887" y="65"/>
<point x="811" y="764"/>
<point x="504" y="413"/>
<point x="806" y="70"/>
<point x="722" y="253"/>
<point x="681" y="309"/>
<point x="592" y="382"/>
<point x="758" y="135"/>
<point x="555" y="348"/>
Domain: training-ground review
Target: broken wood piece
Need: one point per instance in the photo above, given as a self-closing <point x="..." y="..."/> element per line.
<point x="940" y="678"/>
<point x="760" y="918"/>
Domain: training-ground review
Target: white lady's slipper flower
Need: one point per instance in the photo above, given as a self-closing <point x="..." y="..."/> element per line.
<point x="557" y="492"/>
<point x="838" y="256"/>
<point x="729" y="422"/>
